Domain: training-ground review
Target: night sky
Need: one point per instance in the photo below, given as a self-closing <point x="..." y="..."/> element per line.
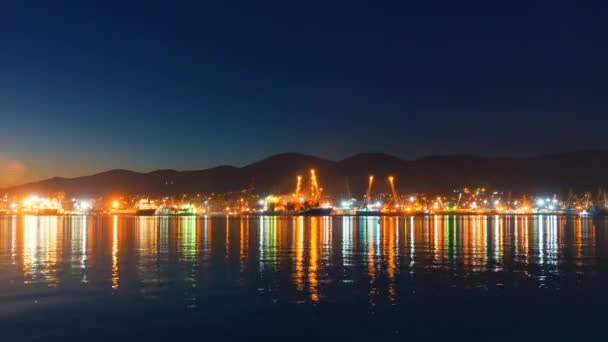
<point x="85" y="88"/>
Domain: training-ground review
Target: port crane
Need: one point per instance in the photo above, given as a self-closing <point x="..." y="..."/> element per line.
<point x="314" y="186"/>
<point x="298" y="187"/>
<point x="391" y="181"/>
<point x="439" y="203"/>
<point x="368" y="194"/>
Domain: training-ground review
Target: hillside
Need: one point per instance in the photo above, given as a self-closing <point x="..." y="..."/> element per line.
<point x="580" y="171"/>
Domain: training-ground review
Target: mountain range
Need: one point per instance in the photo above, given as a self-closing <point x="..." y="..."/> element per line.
<point x="554" y="173"/>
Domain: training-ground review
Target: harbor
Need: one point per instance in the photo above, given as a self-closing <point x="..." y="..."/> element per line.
<point x="309" y="199"/>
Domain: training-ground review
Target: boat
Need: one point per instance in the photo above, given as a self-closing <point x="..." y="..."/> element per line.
<point x="314" y="206"/>
<point x="48" y="212"/>
<point x="145" y="208"/>
<point x="145" y="212"/>
<point x="187" y="210"/>
<point x="165" y="211"/>
<point x="121" y="211"/>
<point x="314" y="211"/>
<point x="368" y="212"/>
<point x="41" y="212"/>
<point x="369" y="209"/>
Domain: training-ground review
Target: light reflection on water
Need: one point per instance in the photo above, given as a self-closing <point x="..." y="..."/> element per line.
<point x="367" y="260"/>
<point x="147" y="252"/>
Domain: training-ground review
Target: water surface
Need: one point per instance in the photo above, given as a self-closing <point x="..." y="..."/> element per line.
<point x="157" y="278"/>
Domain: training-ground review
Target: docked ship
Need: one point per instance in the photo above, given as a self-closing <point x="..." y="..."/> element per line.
<point x="145" y="207"/>
<point x="165" y="211"/>
<point x="145" y="212"/>
<point x="369" y="209"/>
<point x="367" y="212"/>
<point x="121" y="211"/>
<point x="187" y="210"/>
<point x="119" y="208"/>
<point x="35" y="205"/>
<point x="314" y="211"/>
<point x="313" y="207"/>
<point x="47" y="212"/>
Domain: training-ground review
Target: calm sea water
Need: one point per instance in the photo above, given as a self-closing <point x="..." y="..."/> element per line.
<point x="341" y="278"/>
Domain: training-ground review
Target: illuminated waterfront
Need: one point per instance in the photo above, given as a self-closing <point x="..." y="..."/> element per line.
<point x="169" y="276"/>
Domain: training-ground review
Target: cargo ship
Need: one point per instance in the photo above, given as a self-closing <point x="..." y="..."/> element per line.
<point x="120" y="211"/>
<point x="41" y="211"/>
<point x="145" y="212"/>
<point x="187" y="210"/>
<point x="145" y="208"/>
<point x="369" y="209"/>
<point x="47" y="212"/>
<point x="165" y="211"/>
<point x="368" y="212"/>
<point x="314" y="211"/>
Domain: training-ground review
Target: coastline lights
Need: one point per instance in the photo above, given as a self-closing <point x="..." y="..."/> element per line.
<point x="374" y="206"/>
<point x="31" y="200"/>
<point x="83" y="205"/>
<point x="346" y="204"/>
<point x="35" y="201"/>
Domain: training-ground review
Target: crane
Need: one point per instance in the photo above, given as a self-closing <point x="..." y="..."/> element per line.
<point x="369" y="189"/>
<point x="391" y="180"/>
<point x="298" y="186"/>
<point x="314" y="186"/>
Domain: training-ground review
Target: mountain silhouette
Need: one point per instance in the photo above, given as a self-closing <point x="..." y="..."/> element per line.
<point x="554" y="173"/>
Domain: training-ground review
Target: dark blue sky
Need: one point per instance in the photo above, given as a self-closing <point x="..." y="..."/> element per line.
<point x="148" y="85"/>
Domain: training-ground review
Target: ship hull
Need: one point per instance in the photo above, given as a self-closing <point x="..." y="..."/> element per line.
<point x="122" y="212"/>
<point x="315" y="212"/>
<point x="48" y="212"/>
<point x="185" y="214"/>
<point x="145" y="212"/>
<point x="368" y="213"/>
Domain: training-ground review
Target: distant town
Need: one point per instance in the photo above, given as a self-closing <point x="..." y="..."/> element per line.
<point x="308" y="199"/>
